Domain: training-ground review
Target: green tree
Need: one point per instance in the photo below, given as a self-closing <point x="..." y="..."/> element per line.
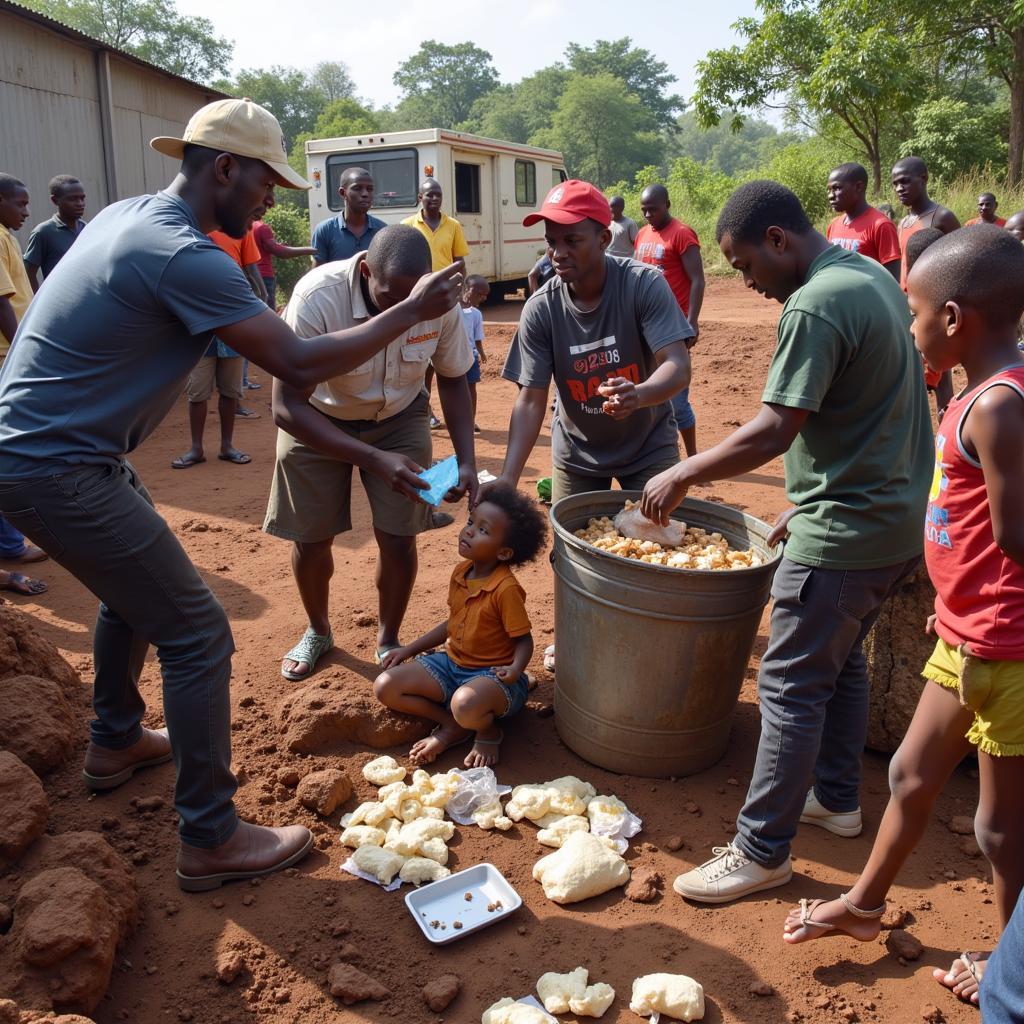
<point x="332" y="78"/>
<point x="450" y="79"/>
<point x="954" y="137"/>
<point x="151" y="29"/>
<point x="603" y="131"/>
<point x="286" y="92"/>
<point x="337" y="119"/>
<point x="291" y="227"/>
<point x="730" y="152"/>
<point x="638" y="69"/>
<point x="516" y="112"/>
<point x="846" y="61"/>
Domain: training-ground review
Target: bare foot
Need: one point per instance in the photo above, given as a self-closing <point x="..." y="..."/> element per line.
<point x="440" y="739"/>
<point x="960" y="979"/>
<point x="830" y="912"/>
<point x="485" y="748"/>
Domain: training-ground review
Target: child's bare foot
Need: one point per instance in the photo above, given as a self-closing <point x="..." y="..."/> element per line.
<point x="440" y="739"/>
<point x="964" y="976"/>
<point x="485" y="748"/>
<point x="812" y="920"/>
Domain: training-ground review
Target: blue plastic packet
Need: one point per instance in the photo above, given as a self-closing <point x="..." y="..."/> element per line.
<point x="442" y="478"/>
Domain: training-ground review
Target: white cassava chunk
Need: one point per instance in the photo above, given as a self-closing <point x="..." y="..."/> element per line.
<point x="410" y="810"/>
<point x="409" y="839"/>
<point x="562" y="829"/>
<point x="674" y="995"/>
<point x="363" y="835"/>
<point x="369" y="813"/>
<point x="595" y="1000"/>
<point x="382" y="864"/>
<point x="435" y="849"/>
<point x="443" y="786"/>
<point x="585" y="866"/>
<point x="437" y="813"/>
<point x="508" y="1011"/>
<point x="383" y="770"/>
<point x="487" y="814"/>
<point x="570" y="784"/>
<point x="556" y="990"/>
<point x="528" y="802"/>
<point x="421" y="869"/>
<point x="562" y="801"/>
<point x="549" y="819"/>
<point x="393" y="796"/>
<point x="606" y="814"/>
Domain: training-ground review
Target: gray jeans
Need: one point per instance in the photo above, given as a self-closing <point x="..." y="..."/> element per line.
<point x="813" y="686"/>
<point x="100" y="524"/>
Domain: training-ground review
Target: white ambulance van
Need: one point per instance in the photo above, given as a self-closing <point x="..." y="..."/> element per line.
<point x="489" y="187"/>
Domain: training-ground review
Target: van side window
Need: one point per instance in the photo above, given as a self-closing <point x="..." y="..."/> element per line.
<point x="467" y="188"/>
<point x="393" y="172"/>
<point x="526" y="183"/>
<point x="558" y="176"/>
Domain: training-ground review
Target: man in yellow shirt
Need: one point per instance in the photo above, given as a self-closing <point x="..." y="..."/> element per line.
<point x="15" y="295"/>
<point x="447" y="246"/>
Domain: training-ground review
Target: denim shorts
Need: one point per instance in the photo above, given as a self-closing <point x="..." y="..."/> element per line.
<point x="450" y="677"/>
<point x="683" y="411"/>
<point x="473" y="374"/>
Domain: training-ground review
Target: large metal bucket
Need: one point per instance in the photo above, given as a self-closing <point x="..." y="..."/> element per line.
<point x="650" y="660"/>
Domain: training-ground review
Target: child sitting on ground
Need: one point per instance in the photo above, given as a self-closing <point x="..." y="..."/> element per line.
<point x="474" y="294"/>
<point x="967" y="295"/>
<point x="479" y="676"/>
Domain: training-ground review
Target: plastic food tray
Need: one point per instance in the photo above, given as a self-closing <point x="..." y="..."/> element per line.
<point x="445" y="902"/>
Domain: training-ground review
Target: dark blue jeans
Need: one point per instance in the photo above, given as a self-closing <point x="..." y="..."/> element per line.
<point x="12" y="543"/>
<point x="1002" y="988"/>
<point x="813" y="686"/>
<point x="100" y="524"/>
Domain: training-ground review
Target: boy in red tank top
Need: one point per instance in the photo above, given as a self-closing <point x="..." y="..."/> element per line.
<point x="967" y="296"/>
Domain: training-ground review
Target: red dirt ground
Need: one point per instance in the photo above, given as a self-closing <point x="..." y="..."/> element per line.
<point x="288" y="927"/>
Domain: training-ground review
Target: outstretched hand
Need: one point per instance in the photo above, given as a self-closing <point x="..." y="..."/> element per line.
<point x="434" y="294"/>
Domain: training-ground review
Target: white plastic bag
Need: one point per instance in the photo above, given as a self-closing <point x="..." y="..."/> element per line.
<point x="477" y="787"/>
<point x="628" y="826"/>
<point x="632" y="523"/>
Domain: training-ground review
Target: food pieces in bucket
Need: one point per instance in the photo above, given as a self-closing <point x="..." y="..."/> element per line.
<point x="632" y="523"/>
<point x="421" y="869"/>
<point x="509" y="1011"/>
<point x="699" y="550"/>
<point x="382" y="864"/>
<point x="674" y="995"/>
<point x="383" y="770"/>
<point x="586" y="865"/>
<point x="559" y="830"/>
<point x="363" y="835"/>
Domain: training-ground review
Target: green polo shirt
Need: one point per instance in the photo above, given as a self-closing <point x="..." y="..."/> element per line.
<point x="860" y="467"/>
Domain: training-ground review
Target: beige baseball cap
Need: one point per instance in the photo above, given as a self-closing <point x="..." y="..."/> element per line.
<point x="240" y="127"/>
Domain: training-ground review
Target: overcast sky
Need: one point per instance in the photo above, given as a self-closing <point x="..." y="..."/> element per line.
<point x="374" y="38"/>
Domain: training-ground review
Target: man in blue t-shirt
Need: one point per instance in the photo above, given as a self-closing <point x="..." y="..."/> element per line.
<point x="98" y="360"/>
<point x="352" y="231"/>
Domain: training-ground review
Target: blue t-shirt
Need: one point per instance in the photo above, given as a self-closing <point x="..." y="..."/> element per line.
<point x="104" y="350"/>
<point x="333" y="240"/>
<point x="473" y="321"/>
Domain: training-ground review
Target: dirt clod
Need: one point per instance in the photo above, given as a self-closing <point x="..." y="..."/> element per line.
<point x="36" y="722"/>
<point x="761" y="988"/>
<point x="324" y="791"/>
<point x="932" y="1014"/>
<point x="230" y="965"/>
<point x="674" y="843"/>
<point x="901" y="943"/>
<point x="895" y="916"/>
<point x="961" y="825"/>
<point x="351" y="985"/>
<point x="24" y="809"/>
<point x="441" y="992"/>
<point x="645" y="885"/>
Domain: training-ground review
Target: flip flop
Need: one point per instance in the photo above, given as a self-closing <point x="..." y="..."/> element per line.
<point x="246" y="414"/>
<point x="549" y="658"/>
<point x="19" y="583"/>
<point x="187" y="462"/>
<point x="308" y="651"/>
<point x="378" y="655"/>
<point x="235" y="456"/>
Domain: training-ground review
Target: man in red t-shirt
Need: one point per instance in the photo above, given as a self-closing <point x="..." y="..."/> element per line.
<point x="987" y="204"/>
<point x="860" y="227"/>
<point x="269" y="246"/>
<point x="673" y="247"/>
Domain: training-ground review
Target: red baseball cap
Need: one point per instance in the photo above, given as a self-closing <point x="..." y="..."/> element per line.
<point x="570" y="202"/>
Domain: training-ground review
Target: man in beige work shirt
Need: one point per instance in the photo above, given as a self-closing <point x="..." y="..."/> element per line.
<point x="373" y="418"/>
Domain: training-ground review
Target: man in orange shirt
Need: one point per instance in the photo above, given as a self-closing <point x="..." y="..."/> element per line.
<point x="673" y="247"/>
<point x="860" y="227"/>
<point x="987" y="204"/>
<point x="223" y="366"/>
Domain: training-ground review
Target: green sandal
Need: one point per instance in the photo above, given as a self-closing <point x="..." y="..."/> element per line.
<point x="308" y="651"/>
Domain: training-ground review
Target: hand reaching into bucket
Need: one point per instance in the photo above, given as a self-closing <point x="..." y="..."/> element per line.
<point x="663" y="495"/>
<point x="780" y="531"/>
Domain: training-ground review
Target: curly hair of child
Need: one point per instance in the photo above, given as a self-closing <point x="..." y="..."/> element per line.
<point x="527" y="524"/>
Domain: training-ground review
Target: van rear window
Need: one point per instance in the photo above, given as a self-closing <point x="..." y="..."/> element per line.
<point x="393" y="172"/>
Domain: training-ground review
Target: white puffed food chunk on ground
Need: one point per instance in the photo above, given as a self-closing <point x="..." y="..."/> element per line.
<point x="435" y="849"/>
<point x="674" y="995"/>
<point x="606" y="813"/>
<point x="393" y="796"/>
<point x="570" y="784"/>
<point x="437" y="813"/>
<point x="375" y="816"/>
<point x="562" y="801"/>
<point x="363" y="835"/>
<point x="410" y="810"/>
<point x="594" y="1001"/>
<point x="487" y="814"/>
<point x="528" y="801"/>
<point x="382" y="864"/>
<point x="383" y="770"/>
<point x="508" y="1011"/>
<point x="562" y="829"/>
<point x="421" y="869"/>
<point x="556" y="990"/>
<point x="585" y="866"/>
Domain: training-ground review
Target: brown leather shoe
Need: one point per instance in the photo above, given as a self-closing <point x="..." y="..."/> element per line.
<point x="252" y="850"/>
<point x="105" y="769"/>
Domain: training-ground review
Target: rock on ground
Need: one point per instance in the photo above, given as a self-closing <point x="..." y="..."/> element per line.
<point x="645" y="885"/>
<point x="351" y="985"/>
<point x="902" y="943"/>
<point x="317" y="720"/>
<point x="36" y="722"/>
<point x="441" y="992"/>
<point x="24" y="652"/>
<point x="24" y="809"/>
<point x="324" y="791"/>
<point x="896" y="650"/>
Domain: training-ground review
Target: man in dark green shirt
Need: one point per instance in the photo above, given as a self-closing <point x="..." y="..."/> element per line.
<point x="845" y="406"/>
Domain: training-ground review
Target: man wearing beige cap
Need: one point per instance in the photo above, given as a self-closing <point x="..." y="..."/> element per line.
<point x="99" y="359"/>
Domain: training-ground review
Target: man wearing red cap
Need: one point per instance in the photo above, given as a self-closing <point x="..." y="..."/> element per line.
<point x="611" y="334"/>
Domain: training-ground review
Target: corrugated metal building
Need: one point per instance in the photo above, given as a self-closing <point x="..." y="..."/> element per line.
<point x="70" y="104"/>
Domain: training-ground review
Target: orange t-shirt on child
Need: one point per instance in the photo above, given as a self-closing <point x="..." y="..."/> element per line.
<point x="486" y="617"/>
<point x="242" y="250"/>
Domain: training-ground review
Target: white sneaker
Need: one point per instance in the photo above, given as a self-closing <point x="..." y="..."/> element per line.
<point x="847" y="824"/>
<point x="729" y="875"/>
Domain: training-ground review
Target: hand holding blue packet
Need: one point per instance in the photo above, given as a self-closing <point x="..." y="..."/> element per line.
<point x="442" y="478"/>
